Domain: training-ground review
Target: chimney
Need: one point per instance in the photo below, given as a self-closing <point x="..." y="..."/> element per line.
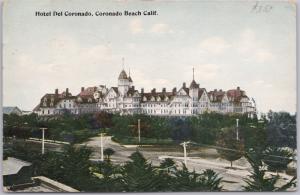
<point x="164" y="90"/>
<point x="183" y="85"/>
<point x="215" y="90"/>
<point x="142" y="90"/>
<point x="238" y="88"/>
<point x="220" y="90"/>
<point x="174" y="90"/>
<point x="153" y="90"/>
<point x="56" y="92"/>
<point x="67" y="92"/>
<point x="82" y="89"/>
<point x="132" y="88"/>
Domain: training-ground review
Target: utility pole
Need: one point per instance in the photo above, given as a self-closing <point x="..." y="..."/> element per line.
<point x="101" y="146"/>
<point x="184" y="152"/>
<point x="237" y="129"/>
<point x="139" y="129"/>
<point x="43" y="139"/>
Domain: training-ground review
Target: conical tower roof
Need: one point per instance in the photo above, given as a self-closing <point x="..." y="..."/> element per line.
<point x="194" y="85"/>
<point x="129" y="78"/>
<point x="123" y="75"/>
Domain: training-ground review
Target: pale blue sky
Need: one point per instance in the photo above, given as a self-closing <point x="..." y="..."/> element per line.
<point x="228" y="44"/>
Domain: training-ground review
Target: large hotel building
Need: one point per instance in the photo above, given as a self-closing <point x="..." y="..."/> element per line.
<point x="125" y="99"/>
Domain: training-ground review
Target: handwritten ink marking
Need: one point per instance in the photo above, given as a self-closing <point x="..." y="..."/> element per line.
<point x="259" y="8"/>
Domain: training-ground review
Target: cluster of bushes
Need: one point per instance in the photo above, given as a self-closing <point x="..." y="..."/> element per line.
<point x="70" y="128"/>
<point x="274" y="129"/>
<point x="73" y="167"/>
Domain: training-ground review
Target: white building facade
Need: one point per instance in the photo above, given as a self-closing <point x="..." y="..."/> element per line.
<point x="125" y="99"/>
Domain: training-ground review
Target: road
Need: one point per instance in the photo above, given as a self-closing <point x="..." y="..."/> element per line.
<point x="232" y="178"/>
<point x="198" y="160"/>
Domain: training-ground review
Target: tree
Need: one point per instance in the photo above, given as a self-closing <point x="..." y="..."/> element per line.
<point x="281" y="130"/>
<point x="228" y="147"/>
<point x="108" y="177"/>
<point x="138" y="175"/>
<point x="187" y="181"/>
<point x="258" y="182"/>
<point x="167" y="169"/>
<point x="277" y="159"/>
<point x="210" y="181"/>
<point x="108" y="152"/>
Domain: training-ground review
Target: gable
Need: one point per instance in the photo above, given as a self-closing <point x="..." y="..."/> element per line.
<point x="181" y="92"/>
<point x="111" y="93"/>
<point x="225" y="99"/>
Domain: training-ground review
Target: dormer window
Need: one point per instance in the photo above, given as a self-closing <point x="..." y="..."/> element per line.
<point x="90" y="100"/>
<point x="79" y="99"/>
<point x="144" y="98"/>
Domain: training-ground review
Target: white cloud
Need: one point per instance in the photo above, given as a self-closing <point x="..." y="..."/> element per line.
<point x="261" y="84"/>
<point x="161" y="28"/>
<point x="251" y="48"/>
<point x="136" y="26"/>
<point x="214" y="45"/>
<point x="263" y="55"/>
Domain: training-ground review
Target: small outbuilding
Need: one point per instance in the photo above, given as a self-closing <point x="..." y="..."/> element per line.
<point x="12" y="110"/>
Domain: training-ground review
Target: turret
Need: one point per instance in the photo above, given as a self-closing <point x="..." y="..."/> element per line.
<point x="194" y="89"/>
<point x="130" y="79"/>
<point x="123" y="83"/>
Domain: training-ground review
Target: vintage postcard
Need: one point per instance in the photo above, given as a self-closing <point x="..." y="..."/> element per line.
<point x="149" y="96"/>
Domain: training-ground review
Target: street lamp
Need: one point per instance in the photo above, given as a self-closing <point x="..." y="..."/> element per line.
<point x="237" y="129"/>
<point x="43" y="139"/>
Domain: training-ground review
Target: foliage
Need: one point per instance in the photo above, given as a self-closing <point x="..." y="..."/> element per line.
<point x="258" y="181"/>
<point x="66" y="127"/>
<point x="277" y="159"/>
<point x="186" y="181"/>
<point x="228" y="146"/>
<point x="108" y="152"/>
<point x="281" y="130"/>
<point x="108" y="177"/>
<point x="138" y="175"/>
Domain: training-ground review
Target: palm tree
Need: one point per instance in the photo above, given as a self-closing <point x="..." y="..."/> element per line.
<point x="208" y="180"/>
<point x="138" y="175"/>
<point x="168" y="164"/>
<point x="258" y="182"/>
<point x="277" y="159"/>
